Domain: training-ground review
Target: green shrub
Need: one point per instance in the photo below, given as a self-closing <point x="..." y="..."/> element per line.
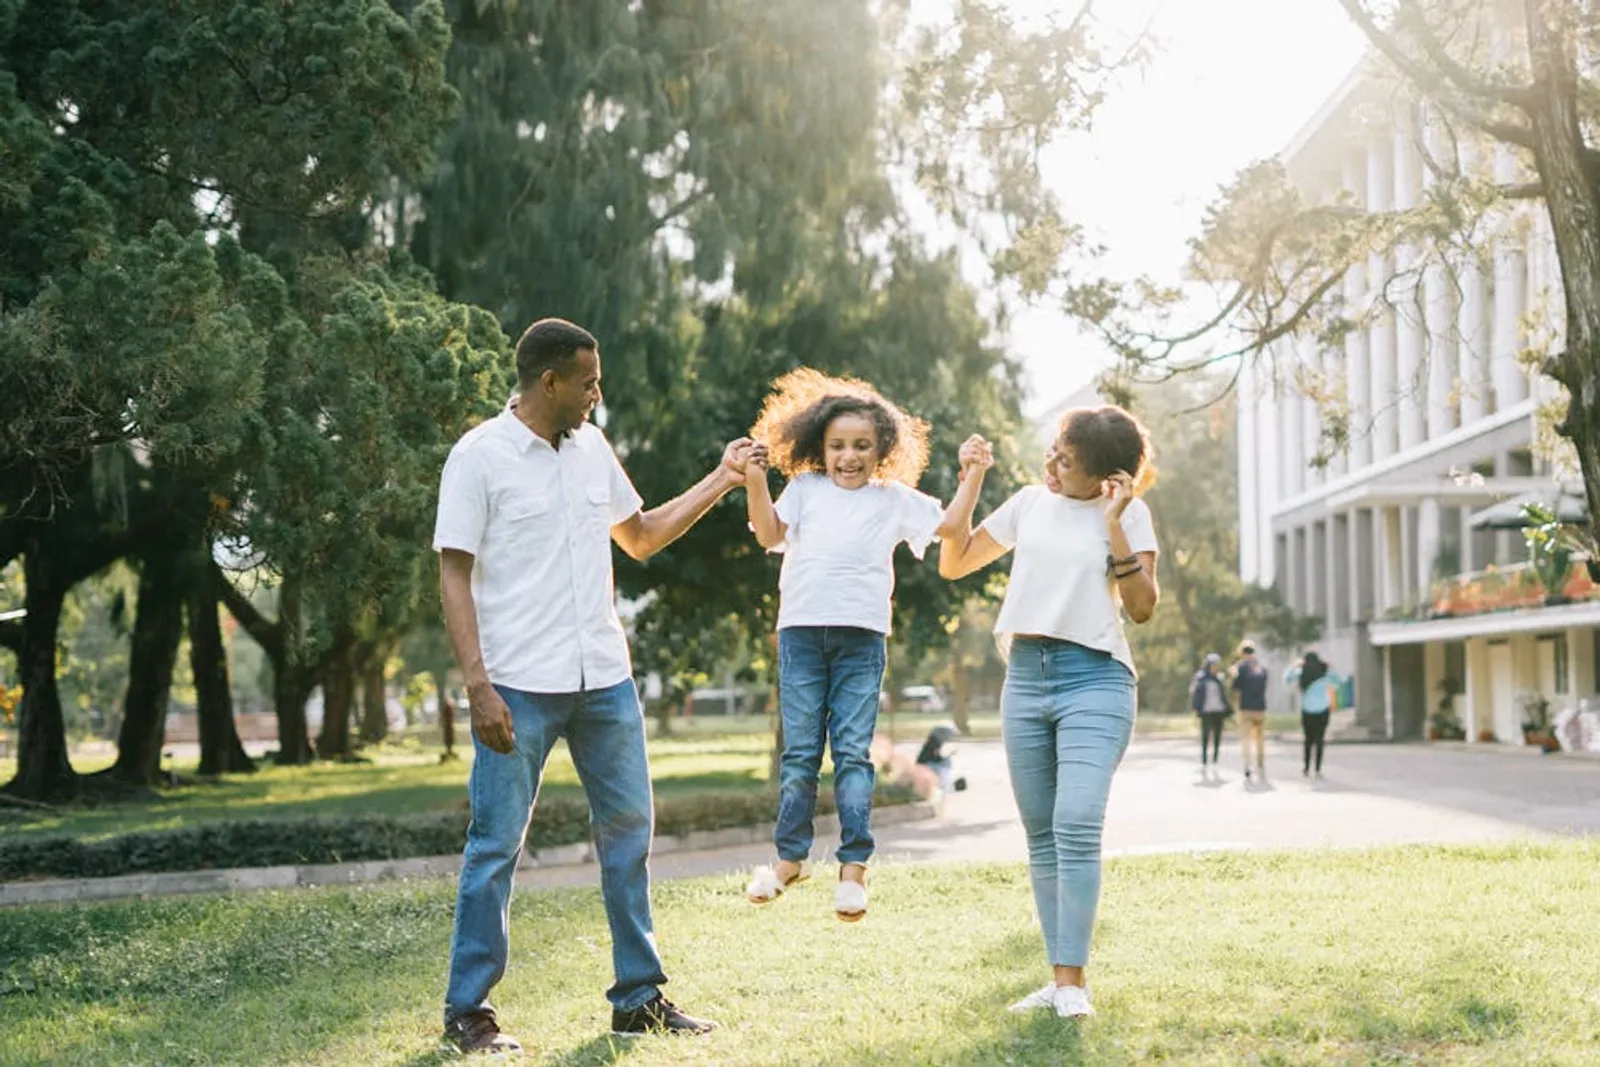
<point x="277" y="842"/>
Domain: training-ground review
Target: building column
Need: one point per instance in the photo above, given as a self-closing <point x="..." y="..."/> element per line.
<point x="1286" y="412"/>
<point x="1580" y="662"/>
<point x="1299" y="591"/>
<point x="1267" y="495"/>
<point x="1340" y="601"/>
<point x="1330" y="572"/>
<point x="1510" y="295"/>
<point x="1472" y="325"/>
<point x="1308" y="360"/>
<point x="1410" y="344"/>
<point x="1391" y="559"/>
<point x="1463" y="533"/>
<point x="1250" y="504"/>
<point x="1359" y="451"/>
<point x="1472" y="344"/>
<point x="1476" y="701"/>
<point x="1443" y="408"/>
<point x="1381" y="384"/>
<point x="1429" y="534"/>
<point x="1298" y="410"/>
<point x="1356" y="555"/>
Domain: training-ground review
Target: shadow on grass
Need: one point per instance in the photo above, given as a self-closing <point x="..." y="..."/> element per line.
<point x="1455" y="1013"/>
<point x="607" y="1048"/>
<point x="598" y="1051"/>
<point x="253" y="799"/>
<point x="1419" y="1026"/>
<point x="334" y="961"/>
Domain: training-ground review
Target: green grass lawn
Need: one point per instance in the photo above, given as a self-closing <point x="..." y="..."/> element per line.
<point x="1415" y="956"/>
<point x="400" y="780"/>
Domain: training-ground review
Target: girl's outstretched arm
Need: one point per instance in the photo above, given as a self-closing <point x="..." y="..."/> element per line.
<point x="770" y="530"/>
<point x="960" y="550"/>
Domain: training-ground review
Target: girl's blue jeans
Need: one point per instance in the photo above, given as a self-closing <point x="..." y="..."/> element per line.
<point x="829" y="679"/>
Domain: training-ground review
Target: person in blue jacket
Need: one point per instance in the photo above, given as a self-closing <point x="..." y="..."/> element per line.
<point x="1317" y="684"/>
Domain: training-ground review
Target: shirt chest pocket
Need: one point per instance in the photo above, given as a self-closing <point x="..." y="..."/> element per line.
<point x="596" y="506"/>
<point x="528" y="520"/>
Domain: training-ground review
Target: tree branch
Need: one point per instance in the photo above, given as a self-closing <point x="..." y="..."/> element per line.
<point x="267" y="634"/>
<point x="1523" y="191"/>
<point x="1464" y="80"/>
<point x="1419" y="75"/>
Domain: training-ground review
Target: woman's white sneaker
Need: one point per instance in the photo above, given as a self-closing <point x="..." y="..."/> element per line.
<point x="1072" y="1002"/>
<point x="1044" y="997"/>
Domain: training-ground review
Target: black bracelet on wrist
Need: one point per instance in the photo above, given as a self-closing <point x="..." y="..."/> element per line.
<point x="1112" y="562"/>
<point x="1130" y="572"/>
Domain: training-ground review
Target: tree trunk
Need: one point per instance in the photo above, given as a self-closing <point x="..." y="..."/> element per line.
<point x="1182" y="593"/>
<point x="338" y="700"/>
<point x="220" y="749"/>
<point x="44" y="772"/>
<point x="664" y="709"/>
<point x="292" y="680"/>
<point x="960" y="688"/>
<point x="447" y="718"/>
<point x="374" y="704"/>
<point x="153" y="650"/>
<point x="290" y="690"/>
<point x="1572" y="198"/>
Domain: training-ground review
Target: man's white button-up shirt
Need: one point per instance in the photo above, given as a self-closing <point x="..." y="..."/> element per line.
<point x="537" y="521"/>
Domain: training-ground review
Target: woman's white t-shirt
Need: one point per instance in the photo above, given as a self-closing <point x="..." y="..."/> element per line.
<point x="1060" y="584"/>
<point x="838" y="553"/>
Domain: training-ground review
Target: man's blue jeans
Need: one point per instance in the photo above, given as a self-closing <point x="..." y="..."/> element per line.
<point x="604" y="729"/>
<point x="1066" y="715"/>
<point x="829" y="678"/>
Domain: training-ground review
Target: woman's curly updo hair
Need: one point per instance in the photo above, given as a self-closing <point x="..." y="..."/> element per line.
<point x="1106" y="440"/>
<point x="794" y="420"/>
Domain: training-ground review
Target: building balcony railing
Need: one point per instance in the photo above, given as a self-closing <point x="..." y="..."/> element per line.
<point x="1502" y="589"/>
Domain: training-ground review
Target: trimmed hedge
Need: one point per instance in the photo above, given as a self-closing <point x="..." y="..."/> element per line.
<point x="281" y="842"/>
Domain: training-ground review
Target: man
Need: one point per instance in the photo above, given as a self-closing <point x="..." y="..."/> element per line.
<point x="1250" y="682"/>
<point x="529" y="504"/>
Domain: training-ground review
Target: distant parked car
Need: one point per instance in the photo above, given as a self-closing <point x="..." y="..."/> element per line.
<point x="924" y="698"/>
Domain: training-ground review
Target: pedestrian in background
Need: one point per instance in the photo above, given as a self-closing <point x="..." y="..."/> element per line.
<point x="1208" y="697"/>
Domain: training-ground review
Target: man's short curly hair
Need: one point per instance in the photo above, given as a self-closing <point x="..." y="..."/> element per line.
<point x="794" y="423"/>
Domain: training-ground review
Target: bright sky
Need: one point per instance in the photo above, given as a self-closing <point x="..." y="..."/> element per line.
<point x="1232" y="82"/>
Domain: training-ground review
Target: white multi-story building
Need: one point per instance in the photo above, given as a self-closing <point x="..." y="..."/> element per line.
<point x="1442" y="417"/>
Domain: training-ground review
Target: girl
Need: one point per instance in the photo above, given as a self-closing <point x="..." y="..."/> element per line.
<point x="1316" y="683"/>
<point x="1209" y="699"/>
<point x="1085" y="553"/>
<point x="852" y="458"/>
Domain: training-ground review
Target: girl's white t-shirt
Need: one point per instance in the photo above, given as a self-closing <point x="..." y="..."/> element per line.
<point x="838" y="553"/>
<point x="1060" y="584"/>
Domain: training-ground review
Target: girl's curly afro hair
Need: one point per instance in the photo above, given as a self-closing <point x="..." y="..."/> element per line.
<point x="794" y="422"/>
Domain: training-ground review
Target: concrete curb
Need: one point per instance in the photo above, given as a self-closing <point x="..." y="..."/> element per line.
<point x="245" y="879"/>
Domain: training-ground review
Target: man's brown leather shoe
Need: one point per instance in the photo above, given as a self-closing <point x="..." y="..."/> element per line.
<point x="477" y="1031"/>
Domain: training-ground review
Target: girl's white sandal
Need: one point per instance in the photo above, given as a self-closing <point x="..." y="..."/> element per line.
<point x="765" y="885"/>
<point x="850" y="901"/>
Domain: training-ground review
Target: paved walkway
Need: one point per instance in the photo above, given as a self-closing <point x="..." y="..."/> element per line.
<point x="1372" y="795"/>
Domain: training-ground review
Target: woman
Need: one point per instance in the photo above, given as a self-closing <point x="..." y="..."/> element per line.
<point x="1085" y="553"/>
<point x="1316" y="684"/>
<point x="1208" y="696"/>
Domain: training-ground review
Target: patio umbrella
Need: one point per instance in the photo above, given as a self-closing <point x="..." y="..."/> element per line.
<point x="1568" y="504"/>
